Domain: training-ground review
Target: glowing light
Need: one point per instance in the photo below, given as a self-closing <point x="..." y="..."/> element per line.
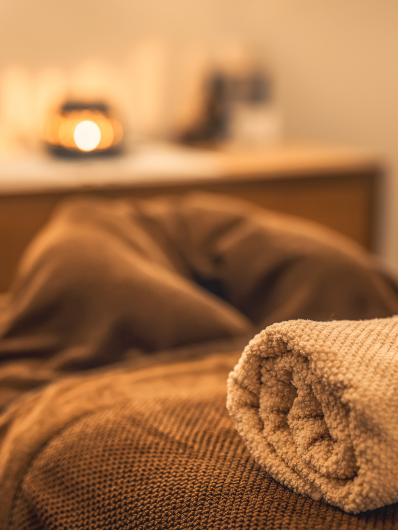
<point x="87" y="135"/>
<point x="86" y="130"/>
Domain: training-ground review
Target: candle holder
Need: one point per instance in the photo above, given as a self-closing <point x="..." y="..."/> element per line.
<point x="81" y="129"/>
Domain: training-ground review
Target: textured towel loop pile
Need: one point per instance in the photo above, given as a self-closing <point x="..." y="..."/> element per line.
<point x="317" y="406"/>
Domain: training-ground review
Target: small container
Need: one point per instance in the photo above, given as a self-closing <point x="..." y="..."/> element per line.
<point x="254" y="118"/>
<point x="80" y="129"/>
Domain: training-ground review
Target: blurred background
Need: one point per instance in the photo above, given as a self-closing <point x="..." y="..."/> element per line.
<point x="318" y="72"/>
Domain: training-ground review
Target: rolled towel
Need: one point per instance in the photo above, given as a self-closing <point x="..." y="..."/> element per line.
<point x="317" y="406"/>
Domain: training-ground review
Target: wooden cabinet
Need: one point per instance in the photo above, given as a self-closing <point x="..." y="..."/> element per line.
<point x="335" y="187"/>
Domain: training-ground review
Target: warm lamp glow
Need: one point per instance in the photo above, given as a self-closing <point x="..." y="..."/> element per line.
<point x="80" y="128"/>
<point x="87" y="135"/>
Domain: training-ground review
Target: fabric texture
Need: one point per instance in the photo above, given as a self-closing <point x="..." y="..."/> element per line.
<point x="150" y="448"/>
<point x="106" y="281"/>
<point x="317" y="405"/>
<point x="113" y="404"/>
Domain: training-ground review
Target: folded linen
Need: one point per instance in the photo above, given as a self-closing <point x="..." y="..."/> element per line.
<point x="317" y="406"/>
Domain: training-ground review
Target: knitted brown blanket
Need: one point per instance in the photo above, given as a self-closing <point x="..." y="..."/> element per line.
<point x="317" y="405"/>
<point x="114" y="283"/>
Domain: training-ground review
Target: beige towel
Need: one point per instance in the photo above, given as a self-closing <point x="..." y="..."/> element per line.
<point x="317" y="406"/>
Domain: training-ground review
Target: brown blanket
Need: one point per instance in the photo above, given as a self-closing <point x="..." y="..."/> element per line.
<point x="150" y="448"/>
<point x="115" y="282"/>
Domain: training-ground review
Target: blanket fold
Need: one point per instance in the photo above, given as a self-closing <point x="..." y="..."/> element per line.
<point x="317" y="405"/>
<point x="106" y="281"/>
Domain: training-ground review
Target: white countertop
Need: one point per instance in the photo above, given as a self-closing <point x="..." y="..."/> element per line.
<point x="161" y="163"/>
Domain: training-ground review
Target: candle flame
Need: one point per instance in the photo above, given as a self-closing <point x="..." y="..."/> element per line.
<point x="87" y="135"/>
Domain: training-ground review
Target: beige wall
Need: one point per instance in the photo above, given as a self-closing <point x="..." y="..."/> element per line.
<point x="337" y="62"/>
